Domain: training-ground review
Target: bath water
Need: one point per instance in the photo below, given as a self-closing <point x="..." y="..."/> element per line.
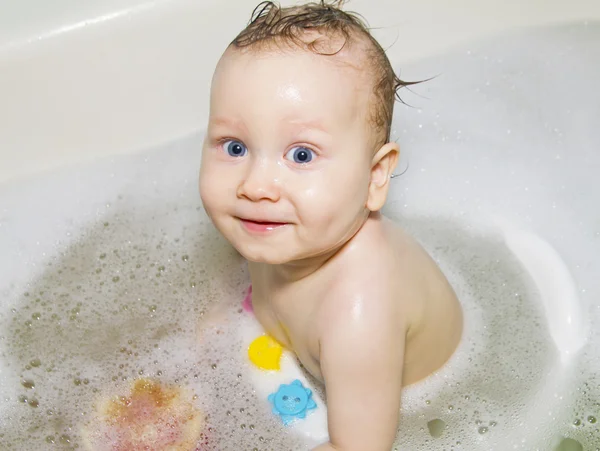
<point x="113" y="272"/>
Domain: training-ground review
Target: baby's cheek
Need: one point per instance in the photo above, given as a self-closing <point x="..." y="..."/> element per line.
<point x="209" y="190"/>
<point x="329" y="213"/>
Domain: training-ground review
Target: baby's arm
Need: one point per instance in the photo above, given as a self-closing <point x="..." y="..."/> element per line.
<point x="362" y="352"/>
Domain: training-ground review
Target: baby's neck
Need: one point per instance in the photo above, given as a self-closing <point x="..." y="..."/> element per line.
<point x="292" y="272"/>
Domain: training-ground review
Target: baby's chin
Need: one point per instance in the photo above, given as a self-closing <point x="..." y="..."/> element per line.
<point x="265" y="256"/>
<point x="274" y="253"/>
<point x="283" y="254"/>
<point x="279" y="249"/>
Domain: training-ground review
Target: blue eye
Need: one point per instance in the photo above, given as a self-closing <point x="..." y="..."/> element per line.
<point x="300" y="155"/>
<point x="235" y="148"/>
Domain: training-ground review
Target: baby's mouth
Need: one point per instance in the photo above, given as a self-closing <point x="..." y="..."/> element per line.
<point x="261" y="225"/>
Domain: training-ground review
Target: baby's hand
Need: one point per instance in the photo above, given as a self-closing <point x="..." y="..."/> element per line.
<point x="362" y="352"/>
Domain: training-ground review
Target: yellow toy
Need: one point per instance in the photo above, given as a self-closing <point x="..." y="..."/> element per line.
<point x="265" y="352"/>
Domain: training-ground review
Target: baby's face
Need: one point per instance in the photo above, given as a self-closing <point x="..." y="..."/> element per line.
<point x="287" y="157"/>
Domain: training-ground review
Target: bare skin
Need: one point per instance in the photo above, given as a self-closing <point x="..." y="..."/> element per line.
<point x="398" y="271"/>
<point x="290" y="177"/>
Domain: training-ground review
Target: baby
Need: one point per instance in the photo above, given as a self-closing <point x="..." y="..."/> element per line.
<point x="296" y="166"/>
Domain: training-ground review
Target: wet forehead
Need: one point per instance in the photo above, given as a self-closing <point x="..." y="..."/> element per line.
<point x="297" y="85"/>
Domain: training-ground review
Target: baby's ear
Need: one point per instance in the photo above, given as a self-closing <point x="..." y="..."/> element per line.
<point x="382" y="166"/>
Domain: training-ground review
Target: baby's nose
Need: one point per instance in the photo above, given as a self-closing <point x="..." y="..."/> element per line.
<point x="261" y="182"/>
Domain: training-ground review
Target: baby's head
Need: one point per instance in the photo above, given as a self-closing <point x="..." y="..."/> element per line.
<point x="297" y="153"/>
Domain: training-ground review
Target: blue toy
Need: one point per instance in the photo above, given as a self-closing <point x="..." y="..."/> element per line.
<point x="292" y="401"/>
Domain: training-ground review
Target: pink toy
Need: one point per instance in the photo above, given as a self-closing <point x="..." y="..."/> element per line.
<point x="247" y="302"/>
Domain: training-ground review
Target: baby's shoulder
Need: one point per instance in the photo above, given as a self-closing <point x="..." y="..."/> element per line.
<point x="382" y="268"/>
<point x="363" y="284"/>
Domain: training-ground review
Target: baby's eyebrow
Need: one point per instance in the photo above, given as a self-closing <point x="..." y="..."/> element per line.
<point x="228" y="122"/>
<point x="309" y="124"/>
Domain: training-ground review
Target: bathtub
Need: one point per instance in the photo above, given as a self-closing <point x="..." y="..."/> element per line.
<point x="103" y="106"/>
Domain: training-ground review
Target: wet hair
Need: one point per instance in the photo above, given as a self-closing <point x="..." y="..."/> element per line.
<point x="271" y="24"/>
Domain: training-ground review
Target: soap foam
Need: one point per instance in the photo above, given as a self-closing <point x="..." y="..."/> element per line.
<point x="126" y="297"/>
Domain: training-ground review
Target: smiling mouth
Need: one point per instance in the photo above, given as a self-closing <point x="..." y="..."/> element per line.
<point x="261" y="226"/>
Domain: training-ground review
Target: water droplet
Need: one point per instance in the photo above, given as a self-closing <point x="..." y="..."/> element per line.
<point x="482" y="430"/>
<point x="591" y="419"/>
<point x="28" y="383"/>
<point x="436" y="427"/>
<point x="568" y="444"/>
